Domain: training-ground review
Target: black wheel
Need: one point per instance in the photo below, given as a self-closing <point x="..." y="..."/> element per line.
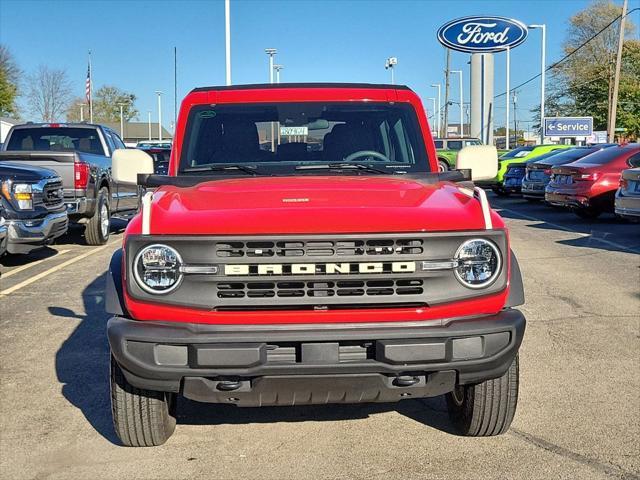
<point x="485" y="409"/>
<point x="588" y="213"/>
<point x="443" y="166"/>
<point x="97" y="230"/>
<point x="501" y="192"/>
<point x="141" y="418"/>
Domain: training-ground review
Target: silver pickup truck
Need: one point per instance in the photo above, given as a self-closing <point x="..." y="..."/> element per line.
<point x="81" y="155"/>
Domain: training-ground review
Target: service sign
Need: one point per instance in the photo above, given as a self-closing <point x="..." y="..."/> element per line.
<point x="482" y="34"/>
<point x="568" y="126"/>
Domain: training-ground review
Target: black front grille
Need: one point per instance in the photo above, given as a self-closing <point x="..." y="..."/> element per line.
<point x="321" y="289"/>
<point x="52" y="196"/>
<point x="320" y="248"/>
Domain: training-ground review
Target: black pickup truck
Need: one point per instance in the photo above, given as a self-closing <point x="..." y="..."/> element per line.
<point x="81" y="155"/>
<point x="32" y="209"/>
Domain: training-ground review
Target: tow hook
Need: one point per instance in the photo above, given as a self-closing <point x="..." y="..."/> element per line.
<point x="228" y="385"/>
<point x="405" y="381"/>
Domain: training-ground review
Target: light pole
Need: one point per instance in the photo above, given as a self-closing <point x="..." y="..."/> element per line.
<point x="227" y="39"/>
<point x="461" y="103"/>
<point x="437" y="85"/>
<point x="122" y="105"/>
<point x="271" y="52"/>
<point x="159" y="93"/>
<point x="149" y="115"/>
<point x="81" y="105"/>
<point x="433" y="110"/>
<point x="277" y="68"/>
<point x="389" y="64"/>
<point x="508" y="81"/>
<point x="543" y="62"/>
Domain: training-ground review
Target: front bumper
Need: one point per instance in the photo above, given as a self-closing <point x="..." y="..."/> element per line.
<point x="254" y="365"/>
<point x="26" y="235"/>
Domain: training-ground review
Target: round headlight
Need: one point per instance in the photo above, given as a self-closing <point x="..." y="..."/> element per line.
<point x="478" y="263"/>
<point x="157" y="269"/>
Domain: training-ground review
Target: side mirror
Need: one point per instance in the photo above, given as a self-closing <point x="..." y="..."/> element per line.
<point x="126" y="164"/>
<point x="482" y="160"/>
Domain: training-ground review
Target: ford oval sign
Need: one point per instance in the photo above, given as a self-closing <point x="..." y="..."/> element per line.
<point x="482" y="34"/>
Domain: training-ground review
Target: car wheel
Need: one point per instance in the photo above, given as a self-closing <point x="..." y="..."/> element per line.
<point x="485" y="409"/>
<point x="97" y="230"/>
<point x="141" y="418"/>
<point x="443" y="166"/>
<point x="588" y="213"/>
<point x="501" y="192"/>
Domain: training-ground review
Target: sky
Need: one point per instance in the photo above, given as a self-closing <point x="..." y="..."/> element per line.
<point x="132" y="43"/>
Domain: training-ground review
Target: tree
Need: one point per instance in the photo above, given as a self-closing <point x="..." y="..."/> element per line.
<point x="583" y="84"/>
<point x="48" y="93"/>
<point x="106" y="104"/>
<point x="9" y="78"/>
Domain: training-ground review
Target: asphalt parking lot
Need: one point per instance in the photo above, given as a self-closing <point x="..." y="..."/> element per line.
<point x="578" y="414"/>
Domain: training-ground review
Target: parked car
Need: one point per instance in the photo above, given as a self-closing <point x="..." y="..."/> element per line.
<point x="160" y="152"/>
<point x="512" y="180"/>
<point x="517" y="155"/>
<point x="288" y="276"/>
<point x="627" y="203"/>
<point x="81" y="155"/>
<point x="538" y="171"/>
<point x="4" y="235"/>
<point x="588" y="186"/>
<point x="448" y="148"/>
<point x="33" y="207"/>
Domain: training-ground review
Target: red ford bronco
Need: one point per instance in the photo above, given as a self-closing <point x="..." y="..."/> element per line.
<point x="304" y="249"/>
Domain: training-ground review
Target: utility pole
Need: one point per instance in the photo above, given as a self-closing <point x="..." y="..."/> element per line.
<point x="227" y="39"/>
<point x="616" y="79"/>
<point x="506" y="123"/>
<point x="515" y="122"/>
<point x="159" y="93"/>
<point x="271" y="52"/>
<point x="446" y="95"/>
<point x="149" y="112"/>
<point x="81" y="105"/>
<point x="439" y="116"/>
<point x="175" y="85"/>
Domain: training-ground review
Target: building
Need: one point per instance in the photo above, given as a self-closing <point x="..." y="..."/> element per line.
<point x="5" y="126"/>
<point x="135" y="132"/>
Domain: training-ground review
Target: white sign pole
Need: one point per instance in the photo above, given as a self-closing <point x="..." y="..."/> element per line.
<point x="508" y="96"/>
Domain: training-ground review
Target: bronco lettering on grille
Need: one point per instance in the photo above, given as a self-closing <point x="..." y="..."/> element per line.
<point x="319" y="268"/>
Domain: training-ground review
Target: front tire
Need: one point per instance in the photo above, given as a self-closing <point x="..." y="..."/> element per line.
<point x="141" y="418"/>
<point x="485" y="409"/>
<point x="97" y="230"/>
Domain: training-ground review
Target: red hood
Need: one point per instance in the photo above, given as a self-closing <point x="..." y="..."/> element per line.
<point x="331" y="204"/>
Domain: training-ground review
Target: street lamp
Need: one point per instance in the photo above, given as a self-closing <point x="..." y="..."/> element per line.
<point x="461" y="103"/>
<point x="149" y="115"/>
<point x="433" y="111"/>
<point x="277" y="68"/>
<point x="159" y="93"/>
<point x="81" y="105"/>
<point x="437" y="85"/>
<point x="543" y="62"/>
<point x="389" y="64"/>
<point x="271" y="52"/>
<point x="122" y="105"/>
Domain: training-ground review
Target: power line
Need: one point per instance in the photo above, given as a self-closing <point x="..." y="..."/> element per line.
<point x="569" y="54"/>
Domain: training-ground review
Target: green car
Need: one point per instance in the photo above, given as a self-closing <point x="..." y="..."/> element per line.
<point x="447" y="150"/>
<point x="520" y="154"/>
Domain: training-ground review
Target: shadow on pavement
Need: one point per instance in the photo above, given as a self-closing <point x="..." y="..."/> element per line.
<point x="82" y="367"/>
<point x="82" y="362"/>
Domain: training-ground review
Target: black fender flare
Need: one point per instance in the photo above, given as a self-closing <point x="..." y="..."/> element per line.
<point x="114" y="295"/>
<point x="516" y="287"/>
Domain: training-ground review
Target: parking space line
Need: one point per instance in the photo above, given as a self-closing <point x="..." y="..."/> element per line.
<point x="41" y="275"/>
<point x="29" y="265"/>
<point x="566" y="229"/>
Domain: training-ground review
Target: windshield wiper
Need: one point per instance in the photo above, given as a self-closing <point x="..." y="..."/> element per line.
<point x="221" y="168"/>
<point x="343" y="166"/>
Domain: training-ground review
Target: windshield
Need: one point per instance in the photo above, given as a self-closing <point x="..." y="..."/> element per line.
<point x="62" y="139"/>
<point x="282" y="137"/>
<point x="518" y="152"/>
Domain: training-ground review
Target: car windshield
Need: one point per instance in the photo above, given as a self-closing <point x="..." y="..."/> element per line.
<point x="279" y="138"/>
<point x="61" y="139"/>
<point x="518" y="152"/>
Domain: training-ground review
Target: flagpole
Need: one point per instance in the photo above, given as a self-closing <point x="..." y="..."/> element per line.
<point x="90" y="90"/>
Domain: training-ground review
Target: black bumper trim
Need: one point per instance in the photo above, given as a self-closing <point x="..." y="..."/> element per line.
<point x="133" y="344"/>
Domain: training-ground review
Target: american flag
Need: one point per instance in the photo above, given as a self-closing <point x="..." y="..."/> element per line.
<point x="88" y="85"/>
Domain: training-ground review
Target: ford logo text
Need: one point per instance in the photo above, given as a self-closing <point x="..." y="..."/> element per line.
<point x="482" y="34"/>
